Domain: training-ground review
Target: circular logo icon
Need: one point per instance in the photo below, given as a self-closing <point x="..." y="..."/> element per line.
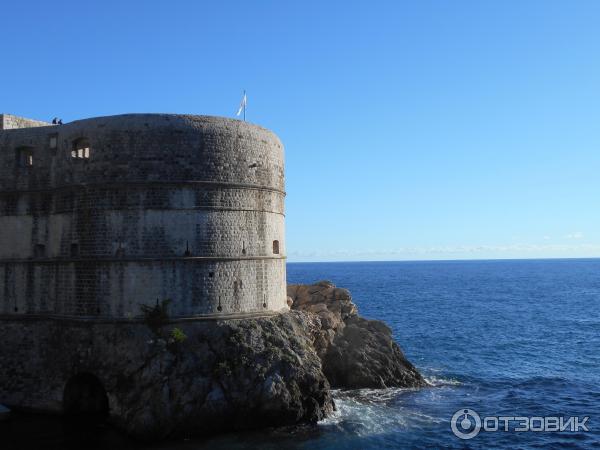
<point x="465" y="424"/>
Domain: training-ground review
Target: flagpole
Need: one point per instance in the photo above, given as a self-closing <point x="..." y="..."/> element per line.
<point x="245" y="101"/>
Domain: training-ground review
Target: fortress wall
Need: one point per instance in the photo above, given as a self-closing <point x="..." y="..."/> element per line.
<point x="39" y="357"/>
<point x="98" y="237"/>
<point x="9" y="122"/>
<point x="139" y="196"/>
<point x="145" y="147"/>
<point x="140" y="224"/>
<point x="118" y="288"/>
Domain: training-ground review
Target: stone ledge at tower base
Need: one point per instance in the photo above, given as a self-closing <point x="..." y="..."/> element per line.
<point x="138" y="320"/>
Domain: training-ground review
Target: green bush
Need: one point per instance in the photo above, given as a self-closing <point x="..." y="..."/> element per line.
<point x="178" y="335"/>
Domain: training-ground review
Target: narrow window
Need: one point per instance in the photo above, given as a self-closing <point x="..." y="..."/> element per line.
<point x="81" y="149"/>
<point x="25" y="156"/>
<point x="53" y="141"/>
<point x="276" y="247"/>
<point x="74" y="250"/>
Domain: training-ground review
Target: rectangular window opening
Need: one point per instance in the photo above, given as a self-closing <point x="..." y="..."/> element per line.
<point x="81" y="149"/>
<point x="25" y="156"/>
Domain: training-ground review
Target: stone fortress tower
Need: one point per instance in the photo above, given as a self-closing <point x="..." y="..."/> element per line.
<point x="102" y="215"/>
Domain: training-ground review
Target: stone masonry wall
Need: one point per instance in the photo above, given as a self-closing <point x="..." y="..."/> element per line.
<point x="183" y="207"/>
<point x="118" y="288"/>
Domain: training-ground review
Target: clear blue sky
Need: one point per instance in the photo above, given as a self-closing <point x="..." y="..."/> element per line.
<point x="413" y="130"/>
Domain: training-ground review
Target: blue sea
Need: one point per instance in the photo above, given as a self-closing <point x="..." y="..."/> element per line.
<point x="511" y="338"/>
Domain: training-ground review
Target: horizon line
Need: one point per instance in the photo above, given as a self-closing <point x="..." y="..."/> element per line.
<point x="447" y="260"/>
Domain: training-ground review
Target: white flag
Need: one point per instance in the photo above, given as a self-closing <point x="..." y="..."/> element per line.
<point x="242" y="104"/>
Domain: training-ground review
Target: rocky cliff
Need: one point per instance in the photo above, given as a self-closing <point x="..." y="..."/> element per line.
<point x="225" y="376"/>
<point x="240" y="374"/>
<point x="355" y="352"/>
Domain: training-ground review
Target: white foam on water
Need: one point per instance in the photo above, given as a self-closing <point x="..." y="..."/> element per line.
<point x="365" y="412"/>
<point x="439" y="382"/>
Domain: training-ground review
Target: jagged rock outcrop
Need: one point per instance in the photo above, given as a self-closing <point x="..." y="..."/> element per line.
<point x="231" y="375"/>
<point x="355" y="352"/>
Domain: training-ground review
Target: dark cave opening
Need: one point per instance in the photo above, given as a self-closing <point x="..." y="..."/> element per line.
<point x="85" y="398"/>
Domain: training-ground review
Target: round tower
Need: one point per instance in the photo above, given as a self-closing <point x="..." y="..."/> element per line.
<point x="103" y="215"/>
